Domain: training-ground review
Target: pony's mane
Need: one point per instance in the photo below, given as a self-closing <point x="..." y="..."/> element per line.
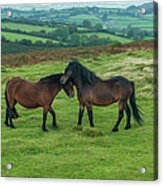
<point x="86" y="75"/>
<point x="50" y="79"/>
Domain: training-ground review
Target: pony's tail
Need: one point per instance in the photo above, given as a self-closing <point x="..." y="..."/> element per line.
<point x="135" y="109"/>
<point x="12" y="111"/>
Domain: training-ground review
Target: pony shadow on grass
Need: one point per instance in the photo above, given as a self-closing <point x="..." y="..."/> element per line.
<point x="34" y="94"/>
<point x="91" y="90"/>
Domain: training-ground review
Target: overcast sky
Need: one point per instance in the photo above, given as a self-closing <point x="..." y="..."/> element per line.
<point x="83" y="4"/>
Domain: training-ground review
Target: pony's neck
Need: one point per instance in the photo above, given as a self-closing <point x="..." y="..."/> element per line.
<point x="55" y="87"/>
<point x="78" y="83"/>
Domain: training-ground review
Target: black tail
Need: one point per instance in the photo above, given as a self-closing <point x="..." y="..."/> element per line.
<point x="12" y="112"/>
<point x="135" y="109"/>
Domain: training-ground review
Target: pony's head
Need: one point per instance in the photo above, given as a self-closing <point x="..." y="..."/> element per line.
<point x="69" y="72"/>
<point x="76" y="70"/>
<point x="68" y="88"/>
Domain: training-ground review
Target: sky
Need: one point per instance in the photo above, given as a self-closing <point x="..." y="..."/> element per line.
<point x="83" y="4"/>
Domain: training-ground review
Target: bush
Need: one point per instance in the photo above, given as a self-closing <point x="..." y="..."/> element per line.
<point x="116" y="44"/>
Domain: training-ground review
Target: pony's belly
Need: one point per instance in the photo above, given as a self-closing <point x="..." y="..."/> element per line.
<point x="103" y="100"/>
<point x="103" y="103"/>
<point x="28" y="104"/>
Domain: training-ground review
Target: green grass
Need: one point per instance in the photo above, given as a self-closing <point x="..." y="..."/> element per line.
<point x="80" y="18"/>
<point x="16" y="36"/>
<point x="111" y="36"/>
<point x="144" y="23"/>
<point x="26" y="27"/>
<point x="84" y="153"/>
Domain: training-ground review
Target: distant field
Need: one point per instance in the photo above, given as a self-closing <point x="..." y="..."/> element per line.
<point x="124" y="21"/>
<point x="148" y="38"/>
<point x="80" y="18"/>
<point x="111" y="36"/>
<point x="26" y="27"/>
<point x="15" y="36"/>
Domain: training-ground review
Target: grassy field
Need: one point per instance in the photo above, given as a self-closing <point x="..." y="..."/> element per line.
<point x="111" y="36"/>
<point x="26" y="27"/>
<point x="72" y="153"/>
<point x="16" y="36"/>
<point x="123" y="21"/>
<point x="80" y="18"/>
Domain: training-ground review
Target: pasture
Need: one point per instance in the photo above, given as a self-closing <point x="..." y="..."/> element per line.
<point x="26" y="27"/>
<point x="144" y="23"/>
<point x="80" y="18"/>
<point x="111" y="36"/>
<point x="83" y="153"/>
<point x="16" y="36"/>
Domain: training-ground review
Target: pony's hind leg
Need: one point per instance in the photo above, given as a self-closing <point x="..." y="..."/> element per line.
<point x="7" y="117"/>
<point x="52" y="112"/>
<point x="90" y="116"/>
<point x="11" y="123"/>
<point x="12" y="114"/>
<point x="80" y="115"/>
<point x="120" y="116"/>
<point x="128" y="113"/>
<point x="10" y="118"/>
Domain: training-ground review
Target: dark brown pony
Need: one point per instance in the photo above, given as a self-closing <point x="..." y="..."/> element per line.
<point x="91" y="90"/>
<point x="33" y="95"/>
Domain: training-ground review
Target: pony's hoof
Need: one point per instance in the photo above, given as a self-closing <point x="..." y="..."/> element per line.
<point x="12" y="126"/>
<point x="7" y="125"/>
<point x="127" y="127"/>
<point x="45" y="129"/>
<point x="55" y="127"/>
<point x="115" y="130"/>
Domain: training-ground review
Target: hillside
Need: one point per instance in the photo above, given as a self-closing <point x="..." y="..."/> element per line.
<point x="71" y="53"/>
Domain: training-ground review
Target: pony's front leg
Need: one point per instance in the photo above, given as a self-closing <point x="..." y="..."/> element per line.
<point x="90" y="115"/>
<point x="45" y="111"/>
<point x="80" y="115"/>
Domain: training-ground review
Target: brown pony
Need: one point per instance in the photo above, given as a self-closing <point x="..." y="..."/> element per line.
<point x="33" y="95"/>
<point x="92" y="90"/>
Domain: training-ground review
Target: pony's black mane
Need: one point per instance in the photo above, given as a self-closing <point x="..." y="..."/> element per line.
<point x="87" y="76"/>
<point x="52" y="78"/>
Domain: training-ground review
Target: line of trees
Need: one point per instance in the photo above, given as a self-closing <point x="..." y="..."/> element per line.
<point x="74" y="40"/>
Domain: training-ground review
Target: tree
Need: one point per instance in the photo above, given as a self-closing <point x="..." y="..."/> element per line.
<point x="130" y="33"/>
<point x="93" y="40"/>
<point x="25" y="41"/>
<point x="98" y="26"/>
<point x="73" y="28"/>
<point x="61" y="33"/>
<point x="39" y="43"/>
<point x="87" y="24"/>
<point x="75" y="40"/>
<point x="49" y="43"/>
<point x="105" y="16"/>
<point x="42" y="31"/>
<point x="3" y="39"/>
<point x="95" y="10"/>
<point x="138" y="35"/>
